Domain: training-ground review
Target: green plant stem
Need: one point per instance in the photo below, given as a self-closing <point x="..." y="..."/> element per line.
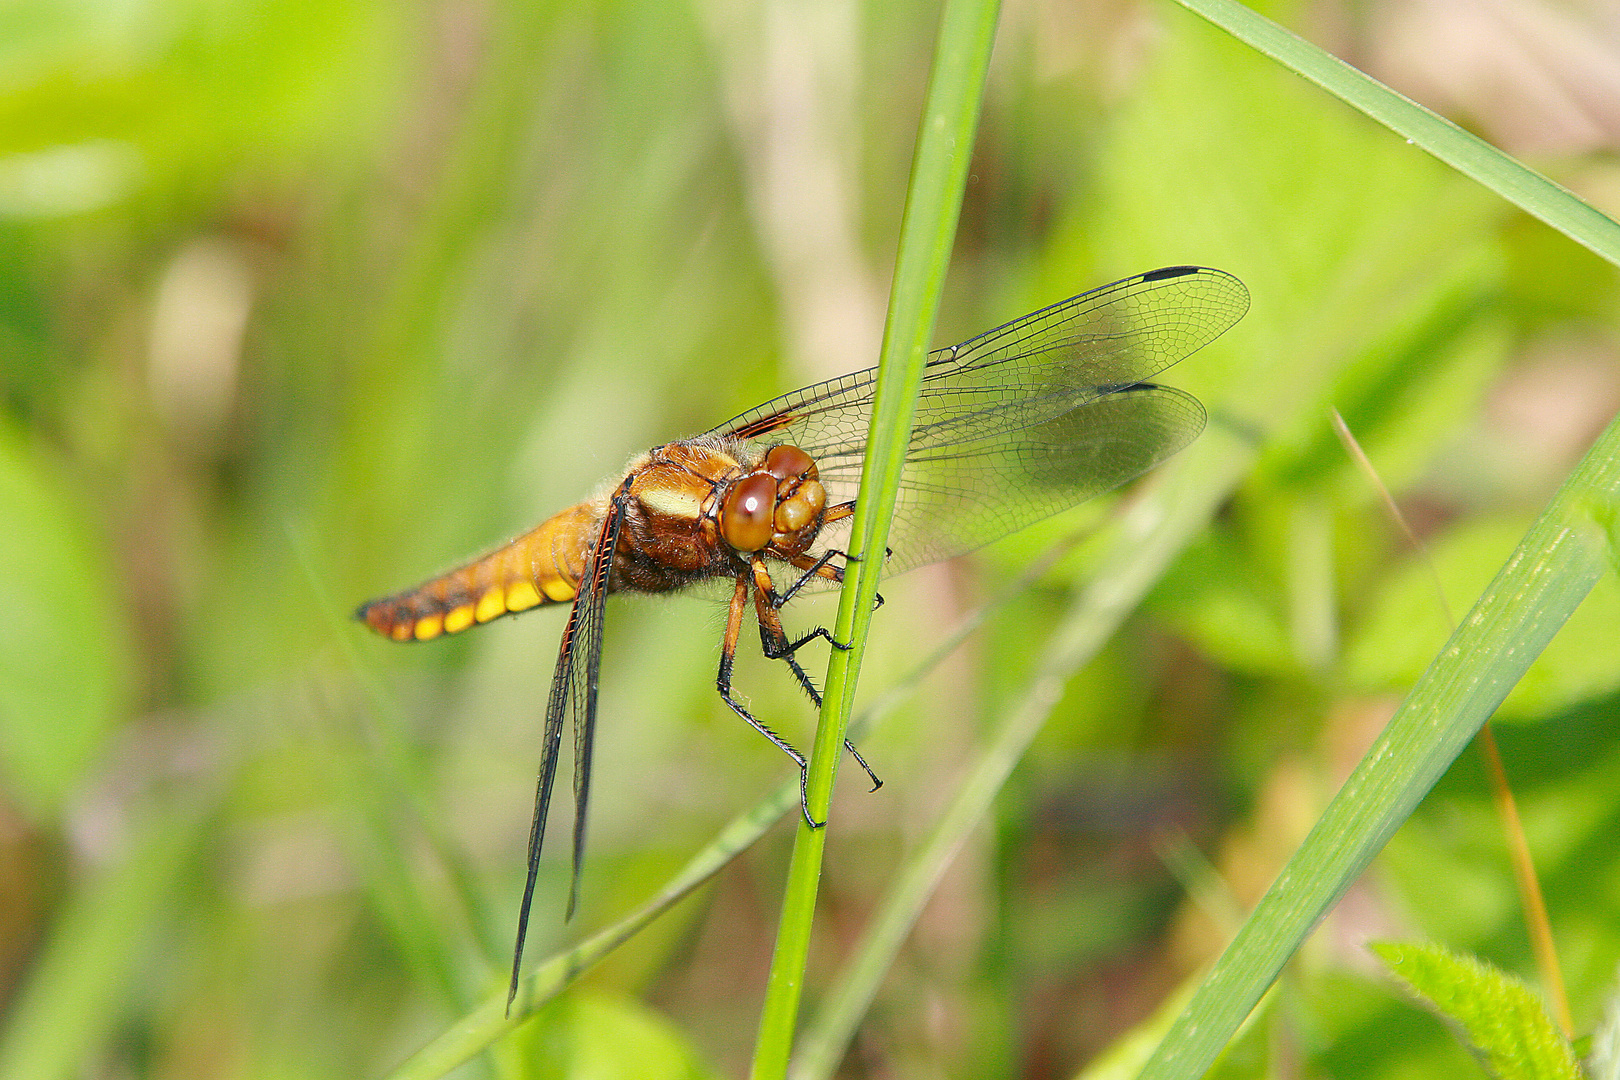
<point x="1537" y="924"/>
<point x="939" y="174"/>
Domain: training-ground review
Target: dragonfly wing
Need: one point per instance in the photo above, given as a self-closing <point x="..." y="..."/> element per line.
<point x="964" y="488"/>
<point x="573" y="698"/>
<point x="1024" y="420"/>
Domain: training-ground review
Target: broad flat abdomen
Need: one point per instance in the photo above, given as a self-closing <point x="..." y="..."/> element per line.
<point x="542" y="566"/>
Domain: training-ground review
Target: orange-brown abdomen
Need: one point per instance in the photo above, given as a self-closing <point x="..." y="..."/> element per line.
<point x="543" y="566"/>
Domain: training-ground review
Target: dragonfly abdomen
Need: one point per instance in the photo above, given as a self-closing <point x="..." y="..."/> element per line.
<point x="543" y="566"/>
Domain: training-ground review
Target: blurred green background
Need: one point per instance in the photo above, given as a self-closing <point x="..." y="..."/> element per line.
<point x="301" y="303"/>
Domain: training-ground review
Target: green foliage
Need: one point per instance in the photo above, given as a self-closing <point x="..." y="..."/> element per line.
<point x="300" y="303"/>
<point x="1396" y="641"/>
<point x="1497" y="1016"/>
<point x="591" y="1035"/>
<point x="64" y="655"/>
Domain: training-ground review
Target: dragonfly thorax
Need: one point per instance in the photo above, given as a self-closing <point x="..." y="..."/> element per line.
<point x="705" y="507"/>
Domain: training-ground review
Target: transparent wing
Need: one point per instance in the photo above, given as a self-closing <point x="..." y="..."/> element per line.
<point x="1024" y="420"/>
<point x="573" y="698"/>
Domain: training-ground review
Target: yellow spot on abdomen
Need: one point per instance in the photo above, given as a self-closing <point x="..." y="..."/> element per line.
<point x="429" y="627"/>
<point x="522" y="596"/>
<point x="458" y="619"/>
<point x="491" y="605"/>
<point x="557" y="589"/>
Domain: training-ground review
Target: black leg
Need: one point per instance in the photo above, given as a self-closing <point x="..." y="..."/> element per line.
<point x="813" y="570"/>
<point x="776" y="648"/>
<point x="775" y="645"/>
<point x="723" y="684"/>
<point x="815" y="699"/>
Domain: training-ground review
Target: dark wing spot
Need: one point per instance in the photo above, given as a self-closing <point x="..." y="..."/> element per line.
<point x="1164" y="273"/>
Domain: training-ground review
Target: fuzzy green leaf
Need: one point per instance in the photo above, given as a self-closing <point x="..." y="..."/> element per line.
<point x="1496" y="1016"/>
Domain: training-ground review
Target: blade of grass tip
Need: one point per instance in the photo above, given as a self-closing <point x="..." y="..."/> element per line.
<point x="1468" y="154"/>
<point x="1547" y="576"/>
<point x="1151" y="532"/>
<point x="1537" y="926"/>
<point x="933" y="201"/>
<point x="1352" y="447"/>
<point x="476" y="1032"/>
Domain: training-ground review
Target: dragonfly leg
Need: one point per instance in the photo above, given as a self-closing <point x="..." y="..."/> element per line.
<point x="775" y="645"/>
<point x="838" y="512"/>
<point x="728" y="655"/>
<point x="818" y="568"/>
<point x="831" y="573"/>
<point x="773" y="640"/>
<point x="870" y="775"/>
<point x="783" y="649"/>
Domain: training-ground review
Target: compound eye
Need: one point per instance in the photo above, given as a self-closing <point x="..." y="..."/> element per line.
<point x="746" y="516"/>
<point x="789" y="462"/>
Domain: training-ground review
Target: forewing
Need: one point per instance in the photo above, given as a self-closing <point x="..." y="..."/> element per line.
<point x="573" y="698"/>
<point x="1024" y="420"/>
<point x="962" y="493"/>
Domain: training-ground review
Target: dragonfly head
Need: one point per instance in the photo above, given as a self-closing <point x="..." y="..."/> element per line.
<point x="777" y="504"/>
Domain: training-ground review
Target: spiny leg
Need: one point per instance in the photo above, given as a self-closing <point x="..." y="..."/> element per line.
<point x="820" y="568"/>
<point x="812" y="569"/>
<point x="815" y="569"/>
<point x="728" y="655"/>
<point x="774" y="643"/>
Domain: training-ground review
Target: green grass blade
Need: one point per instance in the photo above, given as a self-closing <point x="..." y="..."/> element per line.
<point x="1548" y="575"/>
<point x="939" y="173"/>
<point x="1467" y="153"/>
<point x="1151" y="533"/>
<point x="481" y="1027"/>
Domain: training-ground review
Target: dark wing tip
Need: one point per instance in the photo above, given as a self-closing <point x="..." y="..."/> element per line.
<point x="1238" y="301"/>
<point x="1164" y="273"/>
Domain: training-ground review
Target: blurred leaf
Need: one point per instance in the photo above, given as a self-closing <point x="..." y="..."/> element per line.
<point x="1604" y="1060"/>
<point x="1364" y="298"/>
<point x="1492" y="169"/>
<point x="1217" y="596"/>
<point x="1342" y="275"/>
<point x="595" y="1036"/>
<point x="168" y="93"/>
<point x="64" y="660"/>
<point x="1418" y="386"/>
<point x="1500" y="1019"/>
<point x="79" y="990"/>
<point x="1393" y="645"/>
<point x="1544" y="580"/>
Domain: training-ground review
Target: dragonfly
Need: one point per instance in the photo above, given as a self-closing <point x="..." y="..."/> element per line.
<point x="1011" y="426"/>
